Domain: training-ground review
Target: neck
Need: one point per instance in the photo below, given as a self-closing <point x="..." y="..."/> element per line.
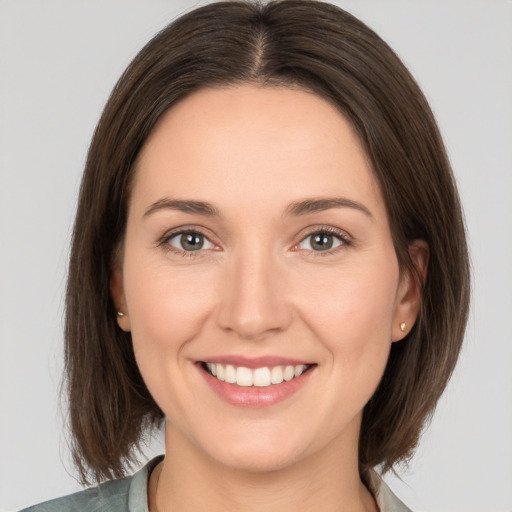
<point x="189" y="480"/>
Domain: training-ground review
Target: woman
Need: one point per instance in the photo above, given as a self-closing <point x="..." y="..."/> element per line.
<point x="269" y="257"/>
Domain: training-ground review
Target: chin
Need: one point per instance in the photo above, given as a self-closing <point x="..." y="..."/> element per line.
<point x="258" y="451"/>
<point x="258" y="461"/>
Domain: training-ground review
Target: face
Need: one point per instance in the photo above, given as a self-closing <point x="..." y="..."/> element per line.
<point x="258" y="277"/>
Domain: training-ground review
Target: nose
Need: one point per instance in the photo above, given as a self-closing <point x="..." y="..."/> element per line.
<point x="253" y="300"/>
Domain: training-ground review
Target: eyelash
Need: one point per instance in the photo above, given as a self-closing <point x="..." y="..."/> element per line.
<point x="164" y="242"/>
<point x="344" y="239"/>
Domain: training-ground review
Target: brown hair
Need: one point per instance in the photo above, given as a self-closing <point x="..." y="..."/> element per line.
<point x="323" y="49"/>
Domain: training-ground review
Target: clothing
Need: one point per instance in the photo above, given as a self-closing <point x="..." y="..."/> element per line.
<point x="384" y="496"/>
<point x="130" y="494"/>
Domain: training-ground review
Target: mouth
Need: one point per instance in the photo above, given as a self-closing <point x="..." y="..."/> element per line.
<point x="261" y="377"/>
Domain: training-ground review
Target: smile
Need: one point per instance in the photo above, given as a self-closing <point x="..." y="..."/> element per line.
<point x="255" y="382"/>
<point x="258" y="377"/>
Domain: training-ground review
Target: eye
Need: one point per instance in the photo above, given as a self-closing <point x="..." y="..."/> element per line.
<point x="322" y="241"/>
<point x="189" y="241"/>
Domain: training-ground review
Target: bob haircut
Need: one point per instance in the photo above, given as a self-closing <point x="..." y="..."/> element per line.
<point x="320" y="48"/>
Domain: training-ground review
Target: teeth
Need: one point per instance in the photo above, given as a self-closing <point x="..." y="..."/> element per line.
<point x="259" y="377"/>
<point x="276" y="375"/>
<point x="299" y="369"/>
<point x="212" y="368"/>
<point x="289" y="373"/>
<point x="243" y="376"/>
<point x="230" y="375"/>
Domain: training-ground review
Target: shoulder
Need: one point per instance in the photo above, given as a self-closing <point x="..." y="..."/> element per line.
<point x="125" y="495"/>
<point x="108" y="496"/>
<point x="384" y="496"/>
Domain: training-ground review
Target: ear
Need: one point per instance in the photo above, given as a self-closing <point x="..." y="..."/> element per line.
<point x="117" y="292"/>
<point x="409" y="296"/>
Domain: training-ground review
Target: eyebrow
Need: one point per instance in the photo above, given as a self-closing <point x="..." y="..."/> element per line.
<point x="321" y="204"/>
<point x="185" y="206"/>
<point x="294" y="209"/>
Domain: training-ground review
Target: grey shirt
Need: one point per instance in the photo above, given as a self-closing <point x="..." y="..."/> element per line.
<point x="130" y="494"/>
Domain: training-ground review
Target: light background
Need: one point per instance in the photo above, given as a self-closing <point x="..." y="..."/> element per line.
<point x="58" y="62"/>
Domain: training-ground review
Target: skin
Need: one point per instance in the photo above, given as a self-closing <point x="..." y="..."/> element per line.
<point x="258" y="288"/>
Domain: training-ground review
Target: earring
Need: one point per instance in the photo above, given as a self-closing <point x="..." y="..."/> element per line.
<point x="120" y="314"/>
<point x="403" y="326"/>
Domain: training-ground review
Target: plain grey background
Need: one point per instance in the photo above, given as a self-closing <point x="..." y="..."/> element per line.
<point x="58" y="62"/>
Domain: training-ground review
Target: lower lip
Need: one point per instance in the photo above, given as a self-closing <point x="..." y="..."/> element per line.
<point x="255" y="396"/>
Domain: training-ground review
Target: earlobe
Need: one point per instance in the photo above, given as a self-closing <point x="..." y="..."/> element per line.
<point x="118" y="297"/>
<point x="410" y="291"/>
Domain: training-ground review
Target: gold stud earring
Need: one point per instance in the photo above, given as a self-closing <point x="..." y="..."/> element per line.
<point x="403" y="326"/>
<point x="120" y="314"/>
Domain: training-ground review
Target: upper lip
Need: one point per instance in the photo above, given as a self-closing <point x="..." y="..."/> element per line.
<point x="255" y="362"/>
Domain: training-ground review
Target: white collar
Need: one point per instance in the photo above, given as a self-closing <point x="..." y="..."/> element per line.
<point x="384" y="496"/>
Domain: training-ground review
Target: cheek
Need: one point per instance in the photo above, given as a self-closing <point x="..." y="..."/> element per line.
<point x="167" y="310"/>
<point x="351" y="300"/>
<point x="164" y="305"/>
<point x="352" y="314"/>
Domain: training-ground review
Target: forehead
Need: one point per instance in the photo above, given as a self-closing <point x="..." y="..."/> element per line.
<point x="254" y="143"/>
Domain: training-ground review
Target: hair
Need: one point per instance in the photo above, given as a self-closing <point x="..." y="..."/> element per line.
<point x="292" y="43"/>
